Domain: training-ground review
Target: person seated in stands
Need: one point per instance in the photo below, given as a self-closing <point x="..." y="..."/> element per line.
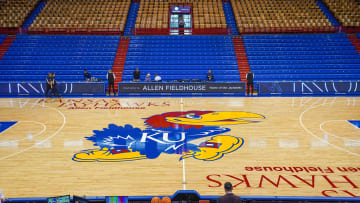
<point x="210" y="76"/>
<point x="157" y="78"/>
<point x="87" y="76"/>
<point x="148" y="78"/>
<point x="137" y="75"/>
<point x="229" y="197"/>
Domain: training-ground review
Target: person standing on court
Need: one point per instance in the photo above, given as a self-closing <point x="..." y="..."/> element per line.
<point x="2" y="196"/>
<point x="136" y="75"/>
<point x="54" y="90"/>
<point x="229" y="197"/>
<point x="48" y="84"/>
<point x="111" y="80"/>
<point x="181" y="25"/>
<point x="250" y="82"/>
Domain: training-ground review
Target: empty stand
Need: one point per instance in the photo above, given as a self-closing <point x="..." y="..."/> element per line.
<point x="96" y="14"/>
<point x="327" y="13"/>
<point x="206" y="13"/>
<point x="153" y="14"/>
<point x="302" y="57"/>
<point x="34" y="14"/>
<point x="182" y="57"/>
<point x="346" y="11"/>
<point x="279" y="15"/>
<point x="14" y="12"/>
<point x="31" y="57"/>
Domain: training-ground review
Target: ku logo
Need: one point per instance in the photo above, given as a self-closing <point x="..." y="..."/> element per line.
<point x="169" y="133"/>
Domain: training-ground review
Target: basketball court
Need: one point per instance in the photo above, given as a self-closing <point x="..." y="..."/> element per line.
<point x="271" y="146"/>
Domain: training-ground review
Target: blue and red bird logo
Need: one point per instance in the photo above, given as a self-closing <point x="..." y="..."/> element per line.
<point x="169" y="133"/>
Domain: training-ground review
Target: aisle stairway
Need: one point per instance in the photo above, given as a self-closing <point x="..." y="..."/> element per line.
<point x="5" y="43"/>
<point x="131" y="19"/>
<point x="230" y="19"/>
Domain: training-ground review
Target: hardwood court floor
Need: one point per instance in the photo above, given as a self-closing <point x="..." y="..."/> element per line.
<point x="302" y="146"/>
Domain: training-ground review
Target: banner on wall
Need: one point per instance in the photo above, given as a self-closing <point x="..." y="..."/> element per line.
<point x="182" y="87"/>
<point x="349" y="87"/>
<point x="180" y="9"/>
<point x="24" y="88"/>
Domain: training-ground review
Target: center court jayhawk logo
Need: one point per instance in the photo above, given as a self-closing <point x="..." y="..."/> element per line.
<point x="170" y="133"/>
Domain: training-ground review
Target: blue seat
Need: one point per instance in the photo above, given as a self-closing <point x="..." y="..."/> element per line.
<point x="55" y="67"/>
<point x="302" y="57"/>
<point x="176" y="72"/>
<point x="180" y="67"/>
<point x="219" y="78"/>
<point x="182" y="57"/>
<point x="31" y="57"/>
<point x="45" y="72"/>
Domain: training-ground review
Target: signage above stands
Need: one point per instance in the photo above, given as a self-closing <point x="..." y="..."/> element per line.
<point x="180" y="9"/>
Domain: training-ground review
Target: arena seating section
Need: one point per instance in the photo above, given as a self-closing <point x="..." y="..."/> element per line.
<point x="94" y="14"/>
<point x="15" y="12"/>
<point x="302" y="57"/>
<point x="209" y="14"/>
<point x="31" y="57"/>
<point x="346" y="11"/>
<point x="277" y="14"/>
<point x="271" y="57"/>
<point x="153" y="14"/>
<point x="206" y="13"/>
<point x="182" y="57"/>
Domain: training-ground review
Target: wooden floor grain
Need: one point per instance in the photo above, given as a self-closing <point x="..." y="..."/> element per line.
<point x="304" y="146"/>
